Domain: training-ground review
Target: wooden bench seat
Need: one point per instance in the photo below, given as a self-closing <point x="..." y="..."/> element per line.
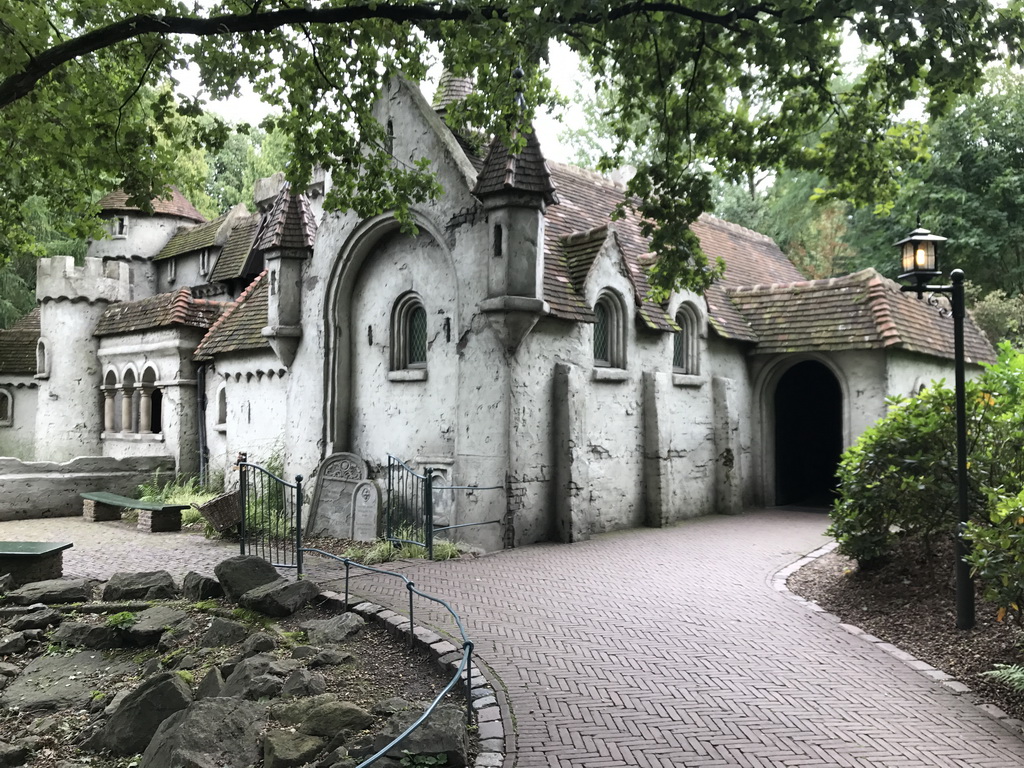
<point x="154" y="517"/>
<point x="29" y="561"/>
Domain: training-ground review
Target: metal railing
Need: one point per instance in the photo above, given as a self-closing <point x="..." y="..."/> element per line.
<point x="409" y="505"/>
<point x="271" y="525"/>
<point x="465" y="665"/>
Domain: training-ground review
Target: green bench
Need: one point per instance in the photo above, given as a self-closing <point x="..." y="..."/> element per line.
<point x="28" y="561"/>
<point x="153" y="517"/>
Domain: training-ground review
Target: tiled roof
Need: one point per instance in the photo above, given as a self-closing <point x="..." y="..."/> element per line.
<point x="580" y="250"/>
<point x="451" y="88"/>
<point x="235" y="254"/>
<point x="586" y="202"/>
<point x="160" y="311"/>
<point x="289" y="224"/>
<point x="192" y="239"/>
<point x="18" y="346"/>
<point x="859" y="311"/>
<point x="240" y="328"/>
<point x="750" y="259"/>
<point x="177" y="205"/>
<point x="525" y="172"/>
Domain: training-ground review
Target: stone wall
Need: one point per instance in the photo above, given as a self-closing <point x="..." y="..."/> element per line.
<point x="31" y="490"/>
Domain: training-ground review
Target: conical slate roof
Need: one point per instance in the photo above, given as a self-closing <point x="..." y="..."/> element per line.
<point x="525" y="172"/>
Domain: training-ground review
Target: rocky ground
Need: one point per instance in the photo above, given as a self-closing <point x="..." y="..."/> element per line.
<point x="304" y="689"/>
<point x="911" y="603"/>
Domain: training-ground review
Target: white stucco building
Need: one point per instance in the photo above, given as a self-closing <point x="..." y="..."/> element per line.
<point x="509" y="342"/>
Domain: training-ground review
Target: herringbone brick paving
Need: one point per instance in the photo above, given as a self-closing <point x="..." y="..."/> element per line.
<point x="669" y="647"/>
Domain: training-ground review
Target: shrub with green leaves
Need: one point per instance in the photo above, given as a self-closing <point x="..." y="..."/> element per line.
<point x="899" y="480"/>
<point x="996" y="556"/>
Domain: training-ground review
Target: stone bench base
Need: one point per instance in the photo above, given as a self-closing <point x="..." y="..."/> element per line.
<point x="165" y="521"/>
<point x="98" y="512"/>
<point x="26" y="571"/>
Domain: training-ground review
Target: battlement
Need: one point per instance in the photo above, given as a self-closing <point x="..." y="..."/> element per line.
<point x="96" y="280"/>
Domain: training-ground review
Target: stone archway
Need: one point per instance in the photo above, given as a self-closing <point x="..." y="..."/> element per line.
<point x="808" y="440"/>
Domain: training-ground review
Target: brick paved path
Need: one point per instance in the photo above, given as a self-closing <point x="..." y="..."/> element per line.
<point x="650" y="648"/>
<point x="670" y="648"/>
<point x="102" y="549"/>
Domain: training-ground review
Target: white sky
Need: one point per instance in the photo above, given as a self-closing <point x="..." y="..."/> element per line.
<point x="564" y="73"/>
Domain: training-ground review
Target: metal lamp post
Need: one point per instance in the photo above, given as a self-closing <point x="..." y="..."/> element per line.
<point x="919" y="255"/>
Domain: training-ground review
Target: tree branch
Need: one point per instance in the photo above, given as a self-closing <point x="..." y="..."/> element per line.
<point x="22" y="83"/>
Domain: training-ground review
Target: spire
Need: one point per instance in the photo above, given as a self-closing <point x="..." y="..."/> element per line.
<point x="451" y="88"/>
<point x="527" y="171"/>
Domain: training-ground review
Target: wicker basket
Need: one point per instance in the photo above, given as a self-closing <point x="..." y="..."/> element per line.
<point x="223" y="511"/>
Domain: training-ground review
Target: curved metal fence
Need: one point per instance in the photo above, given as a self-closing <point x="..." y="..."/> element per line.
<point x="465" y="665"/>
<point x="271" y="516"/>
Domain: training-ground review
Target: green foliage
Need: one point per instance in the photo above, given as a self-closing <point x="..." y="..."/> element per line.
<point x="251" y="617"/>
<point x="1011" y="675"/>
<point x="900" y="477"/>
<point x="122" y="620"/>
<point x="997" y="555"/>
<point x="410" y="760"/>
<point x="85" y="102"/>
<point x="206" y="606"/>
<point x="186" y="676"/>
<point x="899" y="480"/>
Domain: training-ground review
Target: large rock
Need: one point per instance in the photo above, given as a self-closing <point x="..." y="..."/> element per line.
<point x="16" y="642"/>
<point x="333" y="630"/>
<point x="53" y="591"/>
<point x="279" y="598"/>
<point x="41" y="618"/>
<point x="12" y="755"/>
<point x="151" y="623"/>
<point x="237" y="575"/>
<point x="124" y="585"/>
<point x="197" y="587"/>
<point x="223" y="632"/>
<point x="133" y="724"/>
<point x="288" y="749"/>
<point x="210" y="733"/>
<point x="258" y="677"/>
<point x="79" y="634"/>
<point x="58" y="682"/>
<point x="443" y="732"/>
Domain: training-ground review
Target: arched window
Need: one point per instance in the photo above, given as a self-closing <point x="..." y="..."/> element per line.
<point x="42" y="360"/>
<point x="609" y="331"/>
<point x="6" y="407"/>
<point x="408" y="334"/>
<point x="222" y="407"/>
<point x="686" y="345"/>
<point x="150" y="403"/>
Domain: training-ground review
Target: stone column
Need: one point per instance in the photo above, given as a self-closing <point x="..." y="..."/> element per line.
<point x="126" y="409"/>
<point x="145" y="410"/>
<point x="108" y="409"/>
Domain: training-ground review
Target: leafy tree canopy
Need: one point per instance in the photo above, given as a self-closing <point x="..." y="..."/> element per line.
<point x="724" y="86"/>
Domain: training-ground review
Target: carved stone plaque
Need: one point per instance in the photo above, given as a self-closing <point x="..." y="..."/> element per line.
<point x="331" y="513"/>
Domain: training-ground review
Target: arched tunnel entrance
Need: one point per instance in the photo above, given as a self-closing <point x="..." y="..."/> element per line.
<point x="808" y="435"/>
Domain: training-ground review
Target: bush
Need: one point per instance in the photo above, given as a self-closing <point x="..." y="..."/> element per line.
<point x="997" y="556"/>
<point x="899" y="480"/>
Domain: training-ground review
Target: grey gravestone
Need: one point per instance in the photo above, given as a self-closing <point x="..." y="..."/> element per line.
<point x="337" y="509"/>
<point x="365" y="511"/>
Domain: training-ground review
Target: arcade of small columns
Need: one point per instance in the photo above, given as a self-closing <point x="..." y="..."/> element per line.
<point x="139" y="403"/>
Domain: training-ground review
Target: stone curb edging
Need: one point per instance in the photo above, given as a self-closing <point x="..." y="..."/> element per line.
<point x="956" y="687"/>
<point x="492" y="712"/>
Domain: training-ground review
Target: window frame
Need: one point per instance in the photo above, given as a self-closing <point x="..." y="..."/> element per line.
<point x="686" y="341"/>
<point x="407" y="362"/>
<point x="6" y="413"/>
<point x="609" y="321"/>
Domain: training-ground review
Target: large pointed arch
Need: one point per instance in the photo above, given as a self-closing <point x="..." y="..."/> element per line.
<point x="339" y="335"/>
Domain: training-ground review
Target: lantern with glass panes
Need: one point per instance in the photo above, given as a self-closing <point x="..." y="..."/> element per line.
<point x="919" y="253"/>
